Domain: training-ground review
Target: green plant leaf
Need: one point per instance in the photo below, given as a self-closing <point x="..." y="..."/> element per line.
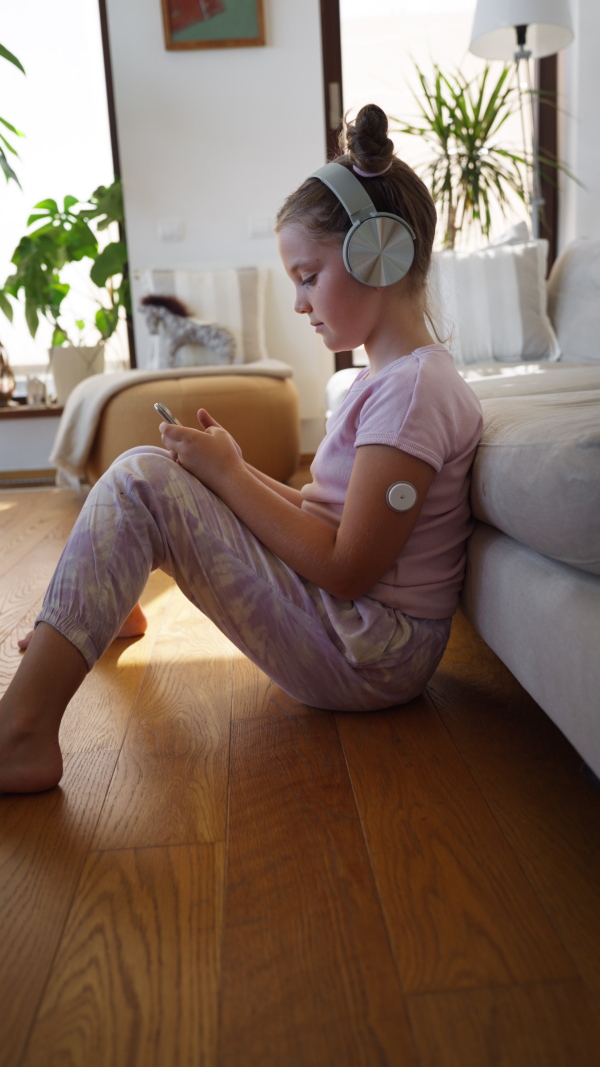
<point x="13" y="129"/>
<point x="80" y="241"/>
<point x="107" y="320"/>
<point x="9" y="173"/>
<point x="68" y="202"/>
<point x="106" y="202"/>
<point x="59" y="337"/>
<point x="124" y="295"/>
<point x="50" y="206"/>
<point x="9" y="146"/>
<point x="31" y="316"/>
<point x="11" y="58"/>
<point x="6" y="306"/>
<point x="110" y="261"/>
<point x="35" y="218"/>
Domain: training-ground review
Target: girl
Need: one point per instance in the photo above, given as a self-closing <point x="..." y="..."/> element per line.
<point x="342" y="592"/>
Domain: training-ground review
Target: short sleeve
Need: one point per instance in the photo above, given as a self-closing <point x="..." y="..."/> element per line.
<point x="409" y="409"/>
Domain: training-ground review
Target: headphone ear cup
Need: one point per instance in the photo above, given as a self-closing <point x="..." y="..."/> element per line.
<point x="379" y="250"/>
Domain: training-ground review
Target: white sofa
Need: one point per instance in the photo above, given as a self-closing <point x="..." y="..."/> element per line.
<point x="532" y="587"/>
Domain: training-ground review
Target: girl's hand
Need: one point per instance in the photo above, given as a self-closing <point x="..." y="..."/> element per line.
<point x="207" y="420"/>
<point x="210" y="455"/>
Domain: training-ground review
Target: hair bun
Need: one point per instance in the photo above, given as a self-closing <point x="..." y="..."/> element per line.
<point x="368" y="146"/>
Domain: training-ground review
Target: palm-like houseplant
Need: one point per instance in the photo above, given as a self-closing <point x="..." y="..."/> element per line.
<point x="461" y="121"/>
<point x="9" y="173"/>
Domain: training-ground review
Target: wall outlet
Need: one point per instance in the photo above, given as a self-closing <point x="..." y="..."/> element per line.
<point x="171" y="229"/>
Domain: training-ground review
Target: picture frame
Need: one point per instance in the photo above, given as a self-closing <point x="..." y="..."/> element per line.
<point x="213" y="23"/>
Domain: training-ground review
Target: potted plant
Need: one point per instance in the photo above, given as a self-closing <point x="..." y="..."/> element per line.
<point x="470" y="169"/>
<point x="62" y="235"/>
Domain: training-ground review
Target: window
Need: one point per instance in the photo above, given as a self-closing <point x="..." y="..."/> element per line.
<point x="60" y="105"/>
<point x="381" y="41"/>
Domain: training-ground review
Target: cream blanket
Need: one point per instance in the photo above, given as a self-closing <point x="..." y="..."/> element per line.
<point x="84" y="407"/>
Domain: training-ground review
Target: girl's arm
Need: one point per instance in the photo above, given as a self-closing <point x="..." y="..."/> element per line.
<point x="346" y="561"/>
<point x="286" y="491"/>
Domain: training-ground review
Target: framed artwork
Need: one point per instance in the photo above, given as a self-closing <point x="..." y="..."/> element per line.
<point x="213" y="23"/>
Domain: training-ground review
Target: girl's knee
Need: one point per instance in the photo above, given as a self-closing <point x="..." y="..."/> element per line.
<point x="145" y="465"/>
<point x="142" y="450"/>
<point x="145" y="475"/>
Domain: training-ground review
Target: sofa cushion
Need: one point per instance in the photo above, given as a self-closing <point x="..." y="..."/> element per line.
<point x="574" y="301"/>
<point x="489" y="380"/>
<point x="491" y="304"/>
<point x="525" y="379"/>
<point x="234" y="298"/>
<point x="541" y="618"/>
<point x="536" y="474"/>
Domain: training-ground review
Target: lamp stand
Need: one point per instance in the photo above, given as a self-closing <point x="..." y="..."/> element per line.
<point x="536" y="200"/>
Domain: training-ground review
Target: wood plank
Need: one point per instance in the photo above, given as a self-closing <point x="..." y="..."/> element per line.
<point x="552" y="1025"/>
<point x="99" y="713"/>
<point x="27" y="517"/>
<point x="135" y="982"/>
<point x="10" y="655"/>
<point x="257" y="697"/>
<point x="44" y="841"/>
<point x="26" y="520"/>
<point x="531" y="778"/>
<point x="459" y="910"/>
<point x="23" y="586"/>
<point x="308" y="977"/>
<point x="170" y="785"/>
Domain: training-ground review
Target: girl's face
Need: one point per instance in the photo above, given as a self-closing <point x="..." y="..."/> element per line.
<point x="342" y="310"/>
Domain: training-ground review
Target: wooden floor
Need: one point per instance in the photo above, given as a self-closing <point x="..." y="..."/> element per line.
<point x="226" y="877"/>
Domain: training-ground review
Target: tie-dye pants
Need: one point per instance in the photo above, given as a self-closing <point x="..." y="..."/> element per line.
<point x="147" y="512"/>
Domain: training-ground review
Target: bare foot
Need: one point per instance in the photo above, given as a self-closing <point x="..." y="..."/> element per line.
<point x="23" y="642"/>
<point x="135" y="625"/>
<point x="29" y="763"/>
<point x="31" y="710"/>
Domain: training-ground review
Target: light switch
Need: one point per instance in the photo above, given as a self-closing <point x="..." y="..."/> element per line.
<point x="171" y="230"/>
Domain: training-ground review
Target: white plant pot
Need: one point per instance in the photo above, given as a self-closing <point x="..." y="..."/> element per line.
<point x="70" y="365"/>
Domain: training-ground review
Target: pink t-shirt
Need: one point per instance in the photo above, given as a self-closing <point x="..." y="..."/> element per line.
<point x="421" y="405"/>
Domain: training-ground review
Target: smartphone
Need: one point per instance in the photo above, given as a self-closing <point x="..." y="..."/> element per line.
<point x="167" y="415"/>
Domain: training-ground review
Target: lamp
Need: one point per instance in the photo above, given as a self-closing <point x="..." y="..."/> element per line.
<point x="520" y="30"/>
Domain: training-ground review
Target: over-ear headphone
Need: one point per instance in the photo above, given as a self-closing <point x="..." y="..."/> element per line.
<point x="379" y="248"/>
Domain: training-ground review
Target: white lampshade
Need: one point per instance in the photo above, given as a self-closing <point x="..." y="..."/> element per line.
<point x="549" y="27"/>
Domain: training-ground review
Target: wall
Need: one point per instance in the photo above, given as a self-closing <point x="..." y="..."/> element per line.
<point x="26" y="443"/>
<point x="580" y="125"/>
<point x="214" y="138"/>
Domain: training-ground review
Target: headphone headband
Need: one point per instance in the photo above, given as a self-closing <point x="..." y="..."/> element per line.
<point x="378" y="249"/>
<point x="351" y="194"/>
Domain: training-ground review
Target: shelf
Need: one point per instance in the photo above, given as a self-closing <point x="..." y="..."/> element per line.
<point x="30" y="411"/>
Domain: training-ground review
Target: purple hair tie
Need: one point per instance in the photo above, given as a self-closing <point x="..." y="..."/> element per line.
<point x="366" y="174"/>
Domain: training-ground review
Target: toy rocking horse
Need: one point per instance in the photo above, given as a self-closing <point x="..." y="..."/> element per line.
<point x="180" y="329"/>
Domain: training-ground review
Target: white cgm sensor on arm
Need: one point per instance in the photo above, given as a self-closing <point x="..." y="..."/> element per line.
<point x="401" y="496"/>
